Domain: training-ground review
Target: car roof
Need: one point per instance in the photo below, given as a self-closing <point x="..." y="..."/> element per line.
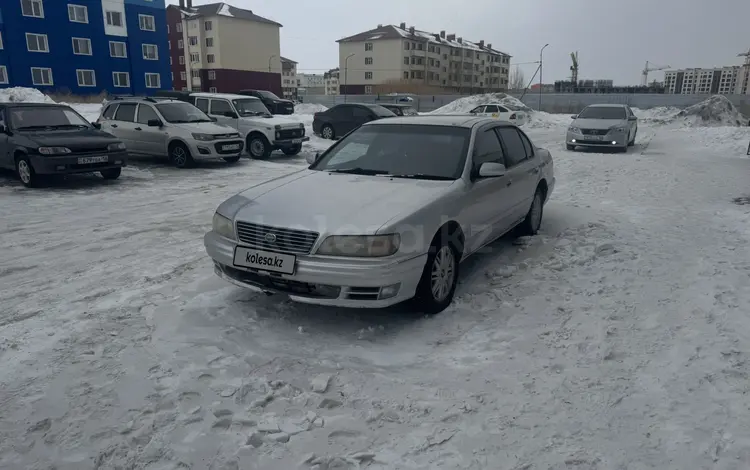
<point x="452" y="120"/>
<point x="228" y="96"/>
<point x="140" y="99"/>
<point x="395" y="105"/>
<point x="33" y="105"/>
<point x="607" y="105"/>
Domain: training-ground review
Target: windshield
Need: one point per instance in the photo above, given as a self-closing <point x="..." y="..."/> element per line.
<point x="248" y="107"/>
<point x="177" y="113"/>
<point x="46" y="118"/>
<point x="268" y="94"/>
<point x="603" y="112"/>
<point x="437" y="152"/>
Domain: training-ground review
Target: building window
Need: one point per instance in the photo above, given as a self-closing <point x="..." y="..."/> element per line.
<point x="368" y="60"/>
<point x="114" y="18"/>
<point x="368" y="89"/>
<point x="121" y="79"/>
<point x="212" y="75"/>
<point x="195" y="57"/>
<point x="209" y="42"/>
<point x="3" y="75"/>
<point x="1" y="40"/>
<point x="168" y="31"/>
<point x="150" y="52"/>
<point x="180" y="44"/>
<point x="153" y="80"/>
<point x="86" y="78"/>
<point x="368" y="46"/>
<point x="81" y="46"/>
<point x="32" y="8"/>
<point x="182" y="60"/>
<point x="78" y="13"/>
<point x="195" y="73"/>
<point x="170" y="60"/>
<point x="41" y="76"/>
<point x="213" y="89"/>
<point x="146" y="22"/>
<point x="183" y="76"/>
<point x="36" y="42"/>
<point x="193" y="40"/>
<point x="178" y="27"/>
<point x="208" y="25"/>
<point x="406" y="75"/>
<point x="118" y="49"/>
<point x="368" y="75"/>
<point x="210" y="58"/>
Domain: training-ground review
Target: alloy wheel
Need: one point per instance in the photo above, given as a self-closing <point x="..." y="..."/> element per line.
<point x="179" y="156"/>
<point x="443" y="273"/>
<point x="24" y="172"/>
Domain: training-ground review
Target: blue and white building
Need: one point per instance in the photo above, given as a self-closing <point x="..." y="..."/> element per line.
<point x="85" y="46"/>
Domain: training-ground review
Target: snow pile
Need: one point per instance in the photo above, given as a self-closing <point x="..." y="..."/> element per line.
<point x="658" y="115"/>
<point x="309" y="108"/>
<point x="23" y="95"/>
<point x="715" y="111"/>
<point x="542" y="120"/>
<point x="464" y="105"/>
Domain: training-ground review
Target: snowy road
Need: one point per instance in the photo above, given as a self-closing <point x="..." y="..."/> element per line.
<point x="616" y="339"/>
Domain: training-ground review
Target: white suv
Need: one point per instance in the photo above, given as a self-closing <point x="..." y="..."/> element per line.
<point x="174" y="128"/>
<point x="263" y="132"/>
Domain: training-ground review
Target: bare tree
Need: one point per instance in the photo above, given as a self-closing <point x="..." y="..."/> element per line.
<point x="517" y="79"/>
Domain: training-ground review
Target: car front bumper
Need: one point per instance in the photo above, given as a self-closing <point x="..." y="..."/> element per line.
<point x="289" y="143"/>
<point x="69" y="164"/>
<point x="612" y="139"/>
<point x="345" y="282"/>
<point x="211" y="150"/>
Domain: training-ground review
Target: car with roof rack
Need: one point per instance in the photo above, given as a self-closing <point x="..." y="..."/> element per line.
<point x="41" y="139"/>
<point x="162" y="126"/>
<point x="498" y="111"/>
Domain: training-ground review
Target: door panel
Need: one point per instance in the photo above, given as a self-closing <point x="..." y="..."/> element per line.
<point x="152" y="140"/>
<point x="123" y="126"/>
<point x="218" y="109"/>
<point x="523" y="170"/>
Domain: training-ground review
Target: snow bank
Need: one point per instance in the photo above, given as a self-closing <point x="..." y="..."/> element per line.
<point x="23" y="95"/>
<point x="308" y="108"/>
<point x="715" y="111"/>
<point x="464" y="105"/>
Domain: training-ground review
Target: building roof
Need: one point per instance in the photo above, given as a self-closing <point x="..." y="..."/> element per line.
<point x="224" y="9"/>
<point x="290" y="61"/>
<point x="396" y="32"/>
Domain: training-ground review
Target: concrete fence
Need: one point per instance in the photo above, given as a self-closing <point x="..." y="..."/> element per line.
<point x="551" y="102"/>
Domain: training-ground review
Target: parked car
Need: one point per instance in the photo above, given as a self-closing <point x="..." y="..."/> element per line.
<point x="603" y="125"/>
<point x="497" y="111"/>
<point x="37" y="140"/>
<point x="400" y="109"/>
<point x="397" y="204"/>
<point x="170" y="128"/>
<point x="337" y="121"/>
<point x="274" y="104"/>
<point x="263" y="132"/>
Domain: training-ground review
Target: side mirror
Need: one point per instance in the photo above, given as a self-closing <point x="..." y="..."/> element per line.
<point x="3" y="129"/>
<point x="491" y="170"/>
<point x="575" y="116"/>
<point x="97" y="125"/>
<point x="213" y="118"/>
<point x="632" y="118"/>
<point x="231" y="114"/>
<point x="312" y="158"/>
<point x="154" y="123"/>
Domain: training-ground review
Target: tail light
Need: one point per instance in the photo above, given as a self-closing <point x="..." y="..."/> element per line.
<point x="513" y="116"/>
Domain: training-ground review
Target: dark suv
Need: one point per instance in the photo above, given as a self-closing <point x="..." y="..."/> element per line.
<point x="53" y="139"/>
<point x="274" y="104"/>
<point x="335" y="122"/>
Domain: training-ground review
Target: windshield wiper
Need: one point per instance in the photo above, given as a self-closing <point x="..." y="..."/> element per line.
<point x="423" y="176"/>
<point x="357" y="171"/>
<point x="200" y="120"/>
<point x="29" y="128"/>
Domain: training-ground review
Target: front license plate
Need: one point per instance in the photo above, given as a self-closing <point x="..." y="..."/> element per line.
<point x="85" y="160"/>
<point x="595" y="137"/>
<point x="296" y="141"/>
<point x="264" y="260"/>
<point x="230" y="147"/>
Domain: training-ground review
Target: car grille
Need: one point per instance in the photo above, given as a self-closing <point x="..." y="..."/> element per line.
<point x="74" y="150"/>
<point x="276" y="239"/>
<point x="219" y="146"/>
<point x="226" y="136"/>
<point x="291" y="133"/>
<point x="594" y="131"/>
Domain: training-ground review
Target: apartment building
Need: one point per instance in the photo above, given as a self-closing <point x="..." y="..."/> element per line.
<point x="84" y="46"/>
<point x="397" y="54"/>
<point x="312" y="84"/>
<point x="331" y="81"/>
<point x="221" y="48"/>
<point x="700" y="81"/>
<point x="289" y="79"/>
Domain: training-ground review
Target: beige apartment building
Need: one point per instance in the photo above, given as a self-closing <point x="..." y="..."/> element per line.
<point x="699" y="81"/>
<point x="331" y="81"/>
<point x="397" y="55"/>
<point x="219" y="47"/>
<point x="289" y="78"/>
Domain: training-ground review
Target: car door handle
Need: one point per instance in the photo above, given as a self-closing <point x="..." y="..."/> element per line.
<point x="138" y="129"/>
<point x="508" y="183"/>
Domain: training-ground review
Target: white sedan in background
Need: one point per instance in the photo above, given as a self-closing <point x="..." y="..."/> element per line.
<point x="497" y="111"/>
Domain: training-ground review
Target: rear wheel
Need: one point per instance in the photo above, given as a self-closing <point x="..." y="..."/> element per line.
<point x="232" y="159"/>
<point x="327" y="132"/>
<point x="180" y="155"/>
<point x="111" y="174"/>
<point x="292" y="150"/>
<point x="533" y="220"/>
<point x="26" y="173"/>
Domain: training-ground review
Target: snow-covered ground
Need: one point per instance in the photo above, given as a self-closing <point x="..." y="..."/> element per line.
<point x="616" y="339"/>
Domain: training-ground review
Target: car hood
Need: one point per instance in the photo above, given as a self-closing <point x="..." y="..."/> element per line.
<point x="282" y="102"/>
<point x="74" y="139"/>
<point x="599" y="123"/>
<point x="284" y="122"/>
<point x="332" y="203"/>
<point x="206" y="128"/>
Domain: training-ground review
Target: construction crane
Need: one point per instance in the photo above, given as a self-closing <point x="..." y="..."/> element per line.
<point x="746" y="55"/>
<point x="574" y="68"/>
<point x="647" y="69"/>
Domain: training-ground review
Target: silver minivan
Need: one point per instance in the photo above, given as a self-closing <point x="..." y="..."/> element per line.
<point x="172" y="128"/>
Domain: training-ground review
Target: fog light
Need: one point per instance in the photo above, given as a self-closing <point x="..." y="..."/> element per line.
<point x="572" y="140"/>
<point x="204" y="151"/>
<point x="278" y="135"/>
<point x="614" y="142"/>
<point x="388" y="292"/>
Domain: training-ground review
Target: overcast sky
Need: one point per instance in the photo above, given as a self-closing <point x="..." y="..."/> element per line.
<point x="614" y="38"/>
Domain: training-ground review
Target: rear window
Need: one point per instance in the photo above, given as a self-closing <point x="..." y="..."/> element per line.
<point x="109" y="112"/>
<point x="381" y="111"/>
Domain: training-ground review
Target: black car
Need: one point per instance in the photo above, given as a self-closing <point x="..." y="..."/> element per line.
<point x="400" y="109"/>
<point x="274" y="104"/>
<point x="52" y="139"/>
<point x="339" y="120"/>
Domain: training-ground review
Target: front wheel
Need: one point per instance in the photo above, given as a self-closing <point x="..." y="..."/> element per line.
<point x="111" y="174"/>
<point x="439" y="279"/>
<point x="26" y="173"/>
<point x="180" y="156"/>
<point x="258" y="147"/>
<point x="232" y="159"/>
<point x="632" y="142"/>
<point x="292" y="150"/>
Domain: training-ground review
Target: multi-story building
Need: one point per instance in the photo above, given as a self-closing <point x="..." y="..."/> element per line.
<point x="743" y="77"/>
<point x="397" y="54"/>
<point x="218" y="47"/>
<point x="331" y="81"/>
<point x="84" y="46"/>
<point x="312" y="84"/>
<point x="289" y="80"/>
<point x="722" y="81"/>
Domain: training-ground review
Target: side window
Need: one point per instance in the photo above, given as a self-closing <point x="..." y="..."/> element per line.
<point x="515" y="152"/>
<point x="202" y="104"/>
<point x="491" y="108"/>
<point x="109" y="113"/>
<point x="503" y="110"/>
<point x="361" y="113"/>
<point x="630" y="112"/>
<point x="487" y="148"/>
<point x="342" y="112"/>
<point x="125" y="112"/>
<point x="478" y="109"/>
<point x="146" y="113"/>
<point x="221" y="107"/>
<point x="526" y="144"/>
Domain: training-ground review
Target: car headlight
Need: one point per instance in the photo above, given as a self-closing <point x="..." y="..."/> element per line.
<point x="617" y="129"/>
<point x="53" y="150"/>
<point x="203" y="137"/>
<point x="223" y="226"/>
<point x="116" y="147"/>
<point x="364" y="246"/>
<point x="574" y="130"/>
<point x="302" y="125"/>
<point x="277" y="127"/>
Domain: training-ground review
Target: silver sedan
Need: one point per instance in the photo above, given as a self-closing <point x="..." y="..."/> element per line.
<point x="603" y="125"/>
<point x="386" y="214"/>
